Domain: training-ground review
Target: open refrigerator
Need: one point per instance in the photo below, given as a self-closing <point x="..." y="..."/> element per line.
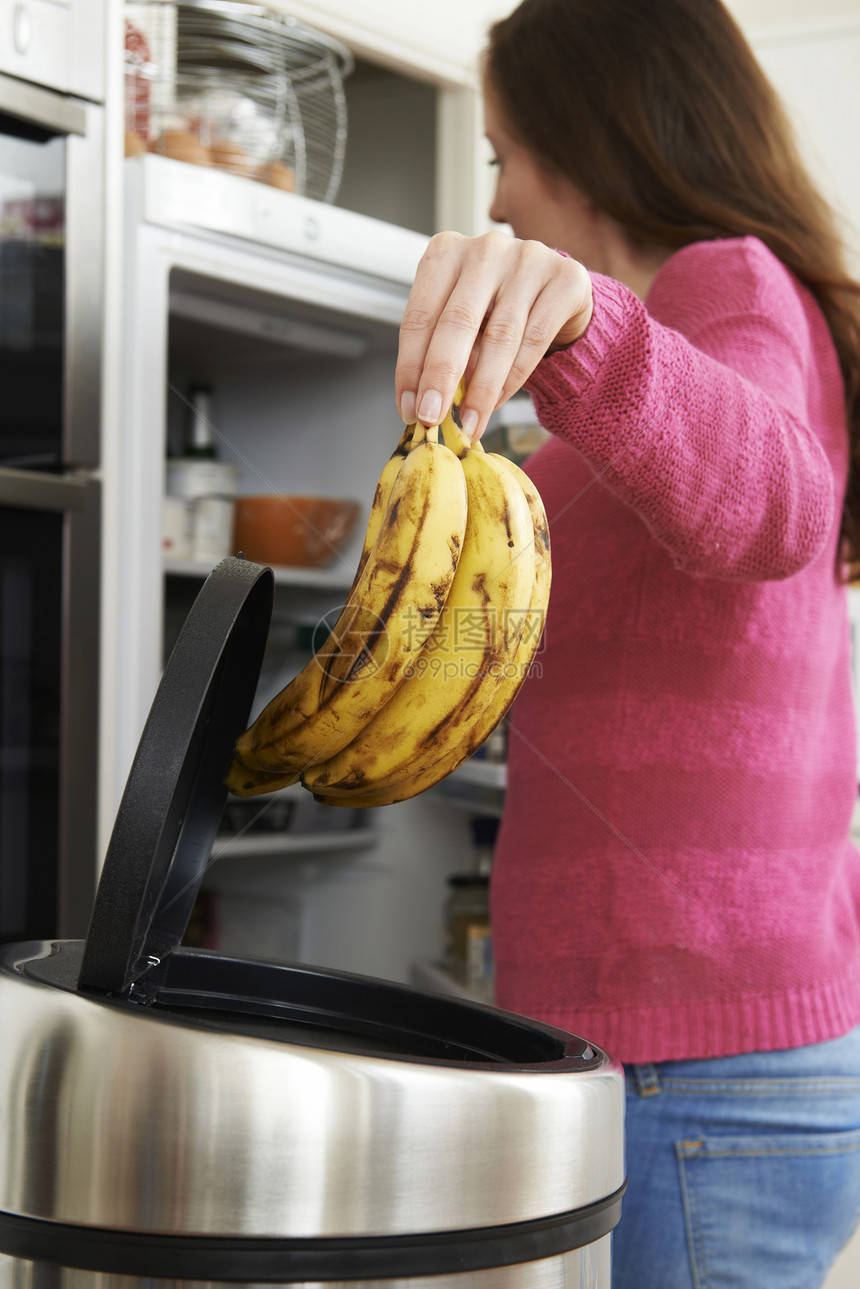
<point x="288" y="309"/>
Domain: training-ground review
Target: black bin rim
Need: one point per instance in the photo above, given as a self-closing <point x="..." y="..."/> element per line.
<point x="318" y="1007"/>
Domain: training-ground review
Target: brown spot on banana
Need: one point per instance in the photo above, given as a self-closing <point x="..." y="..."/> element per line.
<point x="440" y="594"/>
<point x="461" y="714"/>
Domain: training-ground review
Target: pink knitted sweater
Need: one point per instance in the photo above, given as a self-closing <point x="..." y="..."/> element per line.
<point x="674" y="876"/>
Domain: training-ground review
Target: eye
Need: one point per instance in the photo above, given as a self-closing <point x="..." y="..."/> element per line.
<point x="494" y="161"/>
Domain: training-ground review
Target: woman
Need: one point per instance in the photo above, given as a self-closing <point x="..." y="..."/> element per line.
<point x="674" y="877"/>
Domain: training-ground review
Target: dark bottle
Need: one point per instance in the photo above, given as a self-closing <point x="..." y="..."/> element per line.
<point x="201" y="439"/>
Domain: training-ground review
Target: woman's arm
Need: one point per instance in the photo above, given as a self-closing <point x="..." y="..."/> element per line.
<point x="706" y="438"/>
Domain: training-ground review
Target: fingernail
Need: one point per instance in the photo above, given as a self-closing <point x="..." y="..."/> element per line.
<point x="407" y="408"/>
<point x="430" y="407"/>
<point x="469" y="422"/>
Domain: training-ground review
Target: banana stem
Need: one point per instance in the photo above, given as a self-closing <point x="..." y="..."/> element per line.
<point x="452" y="428"/>
<point x="423" y="434"/>
<point x="452" y="433"/>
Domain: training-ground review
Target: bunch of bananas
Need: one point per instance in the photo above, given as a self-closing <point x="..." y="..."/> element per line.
<point x="441" y="624"/>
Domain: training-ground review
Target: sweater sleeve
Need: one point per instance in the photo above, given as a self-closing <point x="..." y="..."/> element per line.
<point x="703" y="432"/>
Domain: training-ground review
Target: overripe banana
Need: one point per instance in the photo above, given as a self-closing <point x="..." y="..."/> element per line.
<point x="417" y="673"/>
<point x="378" y="508"/>
<point x="464" y="661"/>
<point x="395" y="604"/>
<point x="396" y="788"/>
<point x="242" y="780"/>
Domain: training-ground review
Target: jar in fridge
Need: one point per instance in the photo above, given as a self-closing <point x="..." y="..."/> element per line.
<point x="467" y="926"/>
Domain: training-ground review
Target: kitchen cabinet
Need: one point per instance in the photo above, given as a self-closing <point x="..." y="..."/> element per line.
<point x="419" y="55"/>
<point x="417" y="155"/>
<point x="440" y="42"/>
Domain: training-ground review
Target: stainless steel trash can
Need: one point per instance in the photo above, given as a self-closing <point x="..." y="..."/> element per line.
<point x="174" y="1117"/>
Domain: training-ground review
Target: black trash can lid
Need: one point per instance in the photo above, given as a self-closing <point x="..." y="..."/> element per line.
<point x="175" y="793"/>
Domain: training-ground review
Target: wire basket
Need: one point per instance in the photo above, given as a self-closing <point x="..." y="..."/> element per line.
<point x="239" y="86"/>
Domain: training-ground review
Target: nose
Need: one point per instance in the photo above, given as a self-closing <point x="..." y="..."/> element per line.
<point x="497" y="211"/>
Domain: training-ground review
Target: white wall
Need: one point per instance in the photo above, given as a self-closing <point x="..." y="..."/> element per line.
<point x="756" y="12"/>
<point x="814" y="66"/>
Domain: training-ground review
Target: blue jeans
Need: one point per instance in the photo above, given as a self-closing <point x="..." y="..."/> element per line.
<point x="743" y="1171"/>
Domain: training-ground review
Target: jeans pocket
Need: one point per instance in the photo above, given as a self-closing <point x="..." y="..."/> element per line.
<point x="768" y="1209"/>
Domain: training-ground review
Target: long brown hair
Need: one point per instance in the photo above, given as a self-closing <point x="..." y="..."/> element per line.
<point x="659" y="111"/>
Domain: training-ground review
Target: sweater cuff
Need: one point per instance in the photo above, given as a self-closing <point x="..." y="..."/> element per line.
<point x="574" y="369"/>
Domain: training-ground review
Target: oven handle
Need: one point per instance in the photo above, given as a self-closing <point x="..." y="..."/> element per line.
<point x="55" y="112"/>
<point x="33" y="490"/>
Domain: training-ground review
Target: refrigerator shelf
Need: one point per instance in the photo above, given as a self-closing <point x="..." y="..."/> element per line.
<point x="323" y="579"/>
<point x="477" y="787"/>
<point x="484" y="774"/>
<point x="228" y="846"/>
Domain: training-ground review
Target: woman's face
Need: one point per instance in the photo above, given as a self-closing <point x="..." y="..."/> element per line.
<point x="538" y="204"/>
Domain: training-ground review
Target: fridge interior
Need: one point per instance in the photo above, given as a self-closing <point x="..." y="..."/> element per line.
<point x="303" y="403"/>
<point x="309" y="415"/>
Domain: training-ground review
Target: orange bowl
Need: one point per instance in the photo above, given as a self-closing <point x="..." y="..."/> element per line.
<point x="304" y="532"/>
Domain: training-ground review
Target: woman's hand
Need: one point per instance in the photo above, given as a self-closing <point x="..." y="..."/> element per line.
<point x="489" y="307"/>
